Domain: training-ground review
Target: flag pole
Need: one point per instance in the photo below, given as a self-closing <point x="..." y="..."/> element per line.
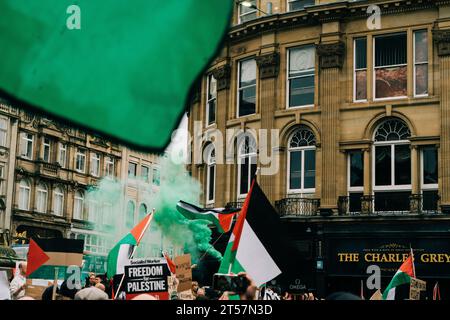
<point x="412" y="259"/>
<point x="132" y="253"/>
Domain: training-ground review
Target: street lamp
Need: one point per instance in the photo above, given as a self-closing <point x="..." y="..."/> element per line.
<point x="249" y="4"/>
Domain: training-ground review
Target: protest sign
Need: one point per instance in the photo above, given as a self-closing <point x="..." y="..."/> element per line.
<point x="415" y="287"/>
<point x="186" y="295"/>
<point x="147" y="276"/>
<point x="184" y="272"/>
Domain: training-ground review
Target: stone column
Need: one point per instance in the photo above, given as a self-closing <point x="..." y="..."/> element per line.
<point x="442" y="39"/>
<point x="331" y="61"/>
<point x="222" y="74"/>
<point x="268" y="64"/>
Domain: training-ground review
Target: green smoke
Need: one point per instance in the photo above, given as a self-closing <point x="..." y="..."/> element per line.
<point x="107" y="208"/>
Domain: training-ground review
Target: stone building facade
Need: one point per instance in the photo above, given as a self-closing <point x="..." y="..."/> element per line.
<point x="361" y="105"/>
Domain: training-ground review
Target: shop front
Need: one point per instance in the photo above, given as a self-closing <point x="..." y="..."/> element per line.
<point x="340" y="255"/>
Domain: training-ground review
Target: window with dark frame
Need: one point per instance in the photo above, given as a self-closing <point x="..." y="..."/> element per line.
<point x="247" y="87"/>
<point x="211" y="100"/>
<point x="360" y="74"/>
<point x="301" y="76"/>
<point x="294" y="5"/>
<point x="390" y="64"/>
<point x="421" y="63"/>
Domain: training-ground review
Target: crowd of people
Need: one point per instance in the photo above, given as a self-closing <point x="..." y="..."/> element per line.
<point x="96" y="287"/>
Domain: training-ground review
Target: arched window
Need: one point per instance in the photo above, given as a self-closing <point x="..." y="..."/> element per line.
<point x="24" y="195"/>
<point x="130" y="214"/>
<point x="78" y="205"/>
<point x="246" y="163"/>
<point x="211" y="176"/>
<point x="302" y="161"/>
<point x="58" y="201"/>
<point x="142" y="211"/>
<point x="41" y="198"/>
<point x="392" y="166"/>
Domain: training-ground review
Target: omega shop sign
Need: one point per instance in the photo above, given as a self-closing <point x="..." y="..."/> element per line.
<point x="351" y="257"/>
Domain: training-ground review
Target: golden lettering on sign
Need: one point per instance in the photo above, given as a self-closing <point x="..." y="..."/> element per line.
<point x="372" y="257"/>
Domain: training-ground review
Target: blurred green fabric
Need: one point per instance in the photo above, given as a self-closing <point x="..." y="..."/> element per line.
<point x="125" y="73"/>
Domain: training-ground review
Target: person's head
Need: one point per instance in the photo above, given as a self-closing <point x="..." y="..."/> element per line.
<point x="100" y="286"/>
<point x="23" y="268"/>
<point x="98" y="280"/>
<point x="194" y="287"/>
<point x="92" y="278"/>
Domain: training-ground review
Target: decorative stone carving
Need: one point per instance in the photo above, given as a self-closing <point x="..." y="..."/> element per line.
<point x="268" y="65"/>
<point x="331" y="55"/>
<point x="222" y="75"/>
<point x="100" y="141"/>
<point x="442" y="39"/>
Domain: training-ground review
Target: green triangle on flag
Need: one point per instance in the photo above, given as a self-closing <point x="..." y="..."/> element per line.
<point x="121" y="68"/>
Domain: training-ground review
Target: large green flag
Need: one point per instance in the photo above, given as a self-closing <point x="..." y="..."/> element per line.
<point x="121" y="68"/>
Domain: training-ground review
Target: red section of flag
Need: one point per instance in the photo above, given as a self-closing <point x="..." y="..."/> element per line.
<point x="407" y="267"/>
<point x="170" y="263"/>
<point x="237" y="231"/>
<point x="225" y="220"/>
<point x="36" y="257"/>
<point x="139" y="230"/>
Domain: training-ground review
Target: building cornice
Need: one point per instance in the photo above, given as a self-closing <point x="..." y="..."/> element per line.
<point x="315" y="15"/>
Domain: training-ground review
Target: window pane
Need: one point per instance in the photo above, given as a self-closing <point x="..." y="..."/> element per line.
<point x="301" y="91"/>
<point x="383" y="165"/>
<point x="248" y="17"/>
<point x="356" y="169"/>
<point x="132" y="169"/>
<point x="390" y="50"/>
<point x="244" y="175"/>
<point x="211" y="111"/>
<point x="420" y="46"/>
<point x="355" y="202"/>
<point x="211" y="183"/>
<point x="247" y="101"/>
<point x="245" y="9"/>
<point x="402" y="165"/>
<point x="391" y="82"/>
<point x="361" y="85"/>
<point x="247" y="73"/>
<point x="295" y="170"/>
<point x="430" y="200"/>
<point x="300" y="4"/>
<point x="301" y="60"/>
<point x="145" y="173"/>
<point x="310" y="169"/>
<point x="421" y="79"/>
<point x="430" y="166"/>
<point x="360" y="53"/>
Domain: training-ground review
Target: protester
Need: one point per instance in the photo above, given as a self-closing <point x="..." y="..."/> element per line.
<point x="19" y="283"/>
<point x="194" y="288"/>
<point x="90" y="280"/>
<point x="92" y="293"/>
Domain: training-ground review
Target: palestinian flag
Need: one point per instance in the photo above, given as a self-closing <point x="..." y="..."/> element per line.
<point x="123" y="251"/>
<point x="221" y="218"/>
<point x="44" y="255"/>
<point x="256" y="245"/>
<point x="402" y="276"/>
<point x="170" y="263"/>
<point x="115" y="67"/>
